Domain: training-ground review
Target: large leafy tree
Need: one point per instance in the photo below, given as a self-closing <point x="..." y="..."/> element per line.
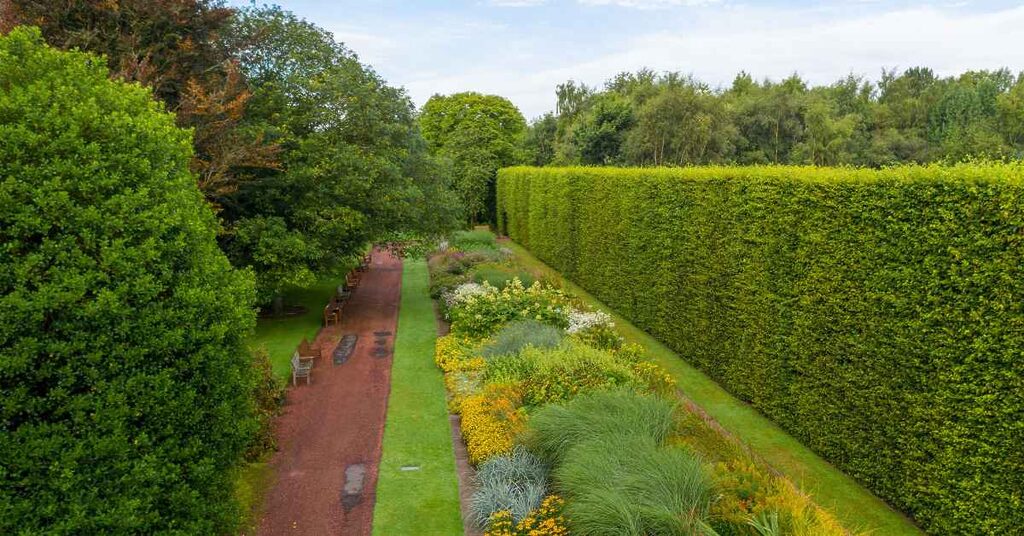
<point x="681" y="124"/>
<point x="174" y="47"/>
<point x="353" y="164"/>
<point x="541" y="139"/>
<point x="478" y="134"/>
<point x="124" y="373"/>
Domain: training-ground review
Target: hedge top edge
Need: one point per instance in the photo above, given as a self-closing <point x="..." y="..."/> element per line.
<point x="1012" y="173"/>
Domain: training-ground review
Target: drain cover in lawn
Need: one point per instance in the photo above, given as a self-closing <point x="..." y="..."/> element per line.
<point x="345" y="348"/>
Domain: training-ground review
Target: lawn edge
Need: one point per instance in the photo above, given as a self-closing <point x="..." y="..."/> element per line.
<point x="417" y="394"/>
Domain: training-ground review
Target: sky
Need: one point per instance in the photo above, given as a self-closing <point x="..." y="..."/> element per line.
<point x="521" y="49"/>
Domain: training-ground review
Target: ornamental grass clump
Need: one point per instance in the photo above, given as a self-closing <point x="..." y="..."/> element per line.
<point x="516" y="482"/>
<point x="556" y="428"/>
<point x="629" y="485"/>
<point x="516" y="336"/>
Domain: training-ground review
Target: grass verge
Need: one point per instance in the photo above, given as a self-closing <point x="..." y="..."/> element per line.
<point x="855" y="506"/>
<point x="416" y="432"/>
<point x="282" y="335"/>
<point x="251" y="484"/>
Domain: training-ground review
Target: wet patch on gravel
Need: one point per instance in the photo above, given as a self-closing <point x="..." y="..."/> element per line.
<point x="345" y="348"/>
<point x="352" y="491"/>
<point x="380" y="348"/>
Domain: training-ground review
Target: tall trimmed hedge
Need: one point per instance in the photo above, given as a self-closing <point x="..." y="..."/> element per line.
<point x="876" y="315"/>
<point x="125" y="385"/>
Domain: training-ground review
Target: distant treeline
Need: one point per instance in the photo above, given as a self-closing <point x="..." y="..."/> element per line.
<point x="650" y="119"/>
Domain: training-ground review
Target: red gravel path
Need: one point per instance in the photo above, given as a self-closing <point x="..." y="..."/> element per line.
<point x="338" y="420"/>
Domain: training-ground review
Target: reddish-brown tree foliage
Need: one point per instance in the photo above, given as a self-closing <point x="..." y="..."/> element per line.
<point x="174" y="47"/>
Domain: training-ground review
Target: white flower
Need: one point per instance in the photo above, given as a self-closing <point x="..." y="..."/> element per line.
<point x="583" y="320"/>
<point x="464" y="292"/>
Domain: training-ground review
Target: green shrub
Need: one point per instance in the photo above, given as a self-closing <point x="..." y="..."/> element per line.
<point x="562" y="373"/>
<point x="556" y="428"/>
<point x="125" y="377"/>
<point x="474" y="240"/>
<point x="516" y="482"/>
<point x="482" y="315"/>
<point x="443" y="282"/>
<point x="877" y="315"/>
<point x="509" y="368"/>
<point x="628" y="485"/>
<point x="268" y="395"/>
<point x="515" y="336"/>
<point x="448" y="262"/>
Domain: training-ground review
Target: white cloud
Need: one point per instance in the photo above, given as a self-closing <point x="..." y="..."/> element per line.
<point x="820" y="45"/>
<point x="647" y="4"/>
<point x="516" y="3"/>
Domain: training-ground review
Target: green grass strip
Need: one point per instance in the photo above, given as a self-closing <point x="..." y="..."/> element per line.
<point x="856" y="507"/>
<point x="416" y="432"/>
<point x="281" y="336"/>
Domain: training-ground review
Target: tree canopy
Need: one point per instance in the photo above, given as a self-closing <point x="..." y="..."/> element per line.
<point x="645" y="118"/>
<point x="353" y="164"/>
<point x="304" y="152"/>
<point x="478" y="134"/>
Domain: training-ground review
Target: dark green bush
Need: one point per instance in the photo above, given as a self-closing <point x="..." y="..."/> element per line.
<point x="126" y="383"/>
<point x="876" y="315"/>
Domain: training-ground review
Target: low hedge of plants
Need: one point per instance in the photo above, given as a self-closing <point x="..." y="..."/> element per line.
<point x="575" y="432"/>
<point x="876" y="315"/>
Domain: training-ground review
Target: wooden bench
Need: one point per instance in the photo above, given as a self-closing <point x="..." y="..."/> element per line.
<point x="332" y="311"/>
<point x="301" y="369"/>
<point x="307" y="350"/>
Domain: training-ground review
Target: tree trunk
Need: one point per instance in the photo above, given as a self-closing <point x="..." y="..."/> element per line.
<point x="278" y="305"/>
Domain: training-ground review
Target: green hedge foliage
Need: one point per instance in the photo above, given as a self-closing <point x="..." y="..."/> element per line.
<point x="875" y="314"/>
<point x="126" y="386"/>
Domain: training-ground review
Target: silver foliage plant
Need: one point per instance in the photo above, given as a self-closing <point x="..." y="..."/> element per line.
<point x="516" y="482"/>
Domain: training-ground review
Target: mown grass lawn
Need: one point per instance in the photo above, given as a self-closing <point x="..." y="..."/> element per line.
<point x="424" y="500"/>
<point x="280" y="336"/>
<point x="855" y="506"/>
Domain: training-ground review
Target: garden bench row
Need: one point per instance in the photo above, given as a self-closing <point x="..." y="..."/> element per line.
<point x="305" y="355"/>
